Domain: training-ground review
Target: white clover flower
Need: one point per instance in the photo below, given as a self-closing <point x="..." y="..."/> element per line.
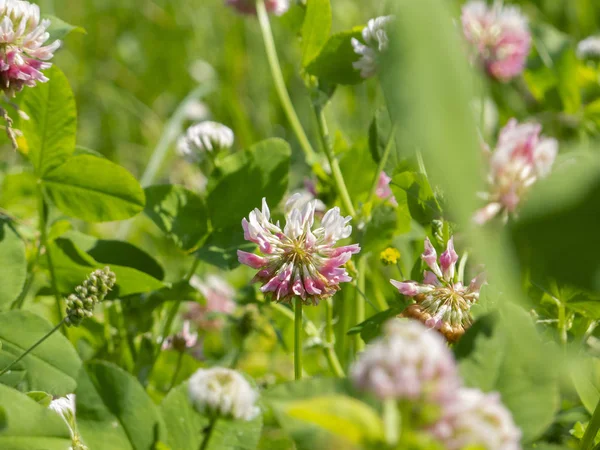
<point x="298" y="261"/>
<point x="65" y="407"/>
<point x="477" y="420"/>
<point x="442" y="301"/>
<point x="409" y="362"/>
<point x="23" y="54"/>
<point x="521" y="157"/>
<point x="589" y="48"/>
<point x="500" y="37"/>
<point x="375" y="42"/>
<point x="223" y="392"/>
<point x="219" y="297"/>
<point x="204" y="137"/>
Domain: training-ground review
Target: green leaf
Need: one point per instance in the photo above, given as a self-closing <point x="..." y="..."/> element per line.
<point x="186" y="427"/>
<point x="414" y="190"/>
<point x="344" y="416"/>
<point x="371" y="328"/>
<point x="51" y="130"/>
<point x="567" y="81"/>
<point x="43" y="398"/>
<point x="114" y="411"/>
<point x="306" y="436"/>
<point x="121" y="253"/>
<point x="72" y="266"/>
<point x="493" y="358"/>
<point x="316" y="29"/>
<point x="14" y="377"/>
<point x="586" y="378"/>
<point x="94" y="189"/>
<point x="28" y="425"/>
<point x="52" y="366"/>
<point x="179" y="213"/>
<point x="380" y="230"/>
<point x="265" y="169"/>
<point x="334" y="63"/>
<point x="59" y="29"/>
<point x="13" y="261"/>
<point x="220" y="249"/>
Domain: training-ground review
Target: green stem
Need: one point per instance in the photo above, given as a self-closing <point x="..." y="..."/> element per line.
<point x="208" y="434"/>
<point x="338" y="178"/>
<point x="382" y="163"/>
<point x="461" y="268"/>
<point x="238" y="354"/>
<point x="30" y="349"/>
<point x="176" y="372"/>
<point x="284" y="97"/>
<point x="330" y="354"/>
<point x="298" y="339"/>
<point x="309" y="327"/>
<point x="391" y="420"/>
<point x="360" y="302"/>
<point x="44" y="243"/>
<point x="592" y="429"/>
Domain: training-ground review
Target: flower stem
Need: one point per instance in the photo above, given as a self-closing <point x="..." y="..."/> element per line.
<point x="298" y="339"/>
<point x="338" y="178"/>
<point x="208" y="434"/>
<point x="30" y="349"/>
<point x="284" y="97"/>
<point x="382" y="162"/>
<point x="391" y="420"/>
<point x="592" y="429"/>
<point x="330" y="354"/>
<point x="43" y="226"/>
<point x="360" y="301"/>
<point x="176" y="372"/>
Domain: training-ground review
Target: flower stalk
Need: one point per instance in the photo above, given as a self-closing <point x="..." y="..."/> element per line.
<point x="282" y="93"/>
<point x="330" y="354"/>
<point x="298" y="339"/>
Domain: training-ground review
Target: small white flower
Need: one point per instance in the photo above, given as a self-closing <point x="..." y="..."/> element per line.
<point x="376" y="42"/>
<point x="477" y="420"/>
<point x="589" y="48"/>
<point x="409" y="362"/>
<point x="204" y="137"/>
<point x="65" y="407"/>
<point x="223" y="392"/>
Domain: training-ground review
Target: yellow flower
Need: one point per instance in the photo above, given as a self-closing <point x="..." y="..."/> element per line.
<point x="389" y="256"/>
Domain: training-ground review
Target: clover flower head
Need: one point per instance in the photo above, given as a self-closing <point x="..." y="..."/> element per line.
<point x="223" y="392"/>
<point x="589" y="48"/>
<point x="298" y="261"/>
<point x="23" y="55"/>
<point x="409" y="362"/>
<point x="277" y="7"/>
<point x="202" y="138"/>
<point x="477" y="420"/>
<point x="500" y="36"/>
<point x="375" y="42"/>
<point x="384" y="191"/>
<point x="181" y="341"/>
<point x="92" y="291"/>
<point x="65" y="407"/>
<point x="442" y="301"/>
<point x="219" y="296"/>
<point x="521" y="157"/>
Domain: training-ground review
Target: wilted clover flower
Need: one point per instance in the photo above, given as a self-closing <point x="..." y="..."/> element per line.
<point x="23" y="55"/>
<point x="477" y="420"/>
<point x="204" y="137"/>
<point x="219" y="296"/>
<point x="223" y="393"/>
<point x="93" y="290"/>
<point x="409" y="362"/>
<point x="298" y="261"/>
<point x="442" y="302"/>
<point x="181" y="341"/>
<point x="384" y="191"/>
<point x="500" y="35"/>
<point x="375" y="42"/>
<point x="277" y="7"/>
<point x="65" y="407"/>
<point x="520" y="158"/>
<point x="589" y="48"/>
